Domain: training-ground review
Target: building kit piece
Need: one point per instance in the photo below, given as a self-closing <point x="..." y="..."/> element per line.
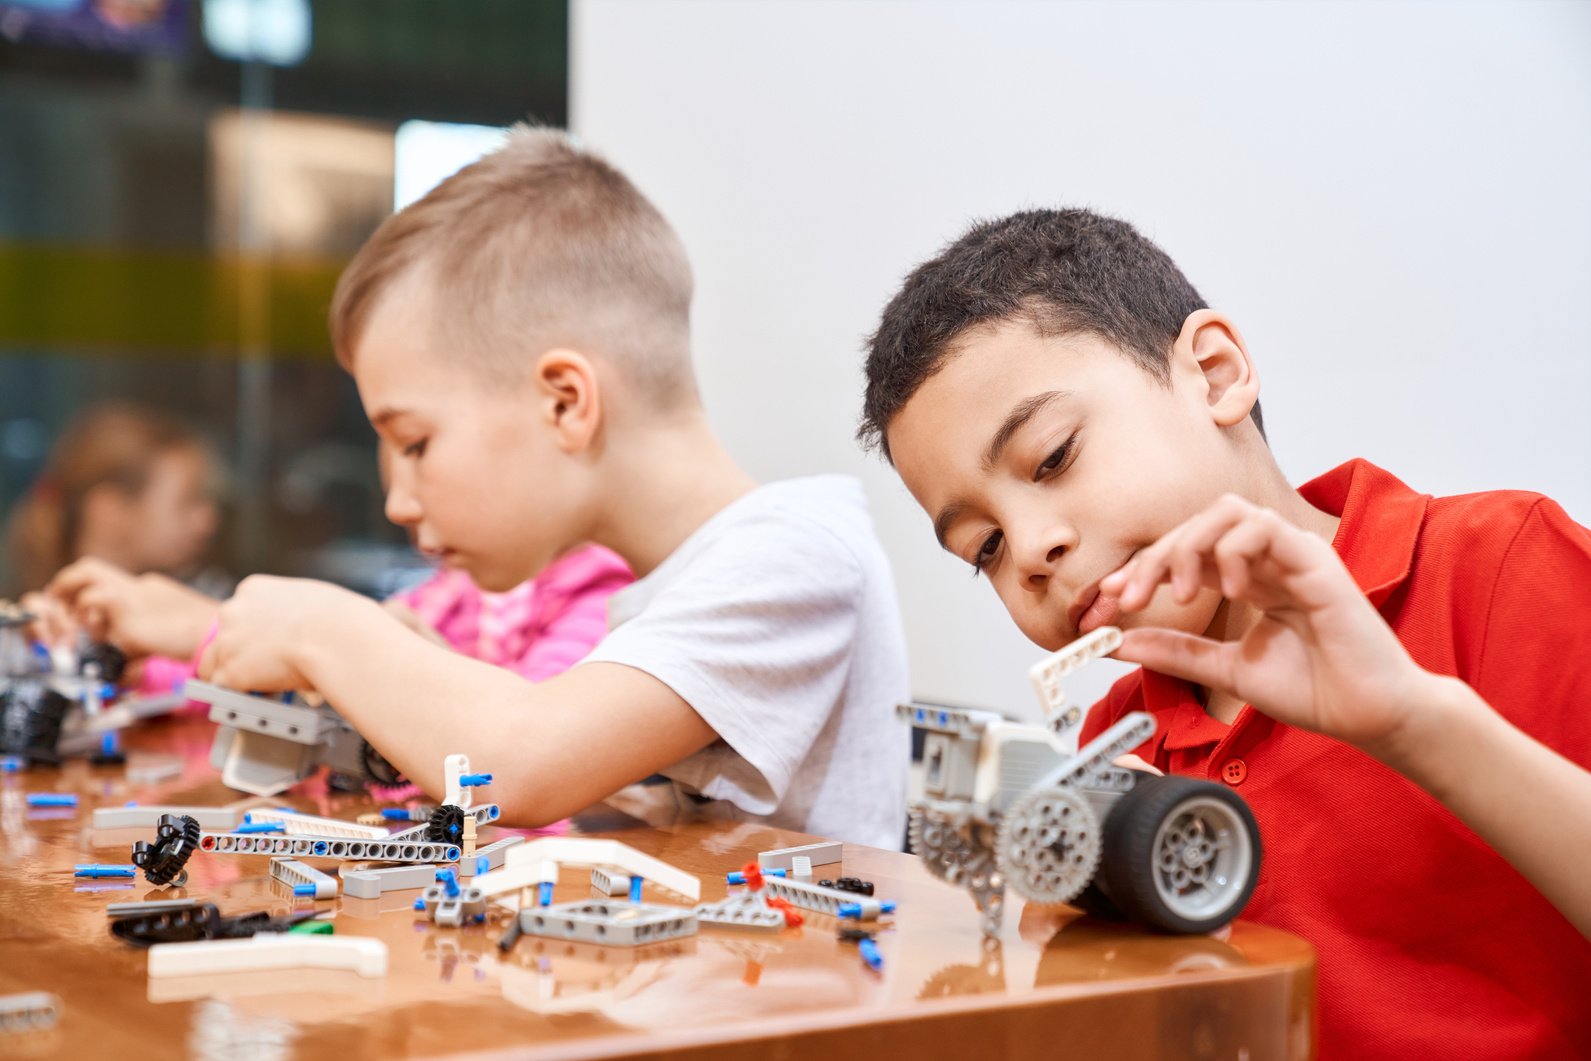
<point x="296" y="824"/>
<point x="484" y="814"/>
<point x="153" y="769"/>
<point x="143" y="924"/>
<point x="296" y="874"/>
<point x="537" y="862"/>
<point x="446" y="903"/>
<point x="849" y="884"/>
<point x="610" y="881"/>
<point x="367" y="957"/>
<point x="30" y="1011"/>
<point x="822" y="854"/>
<point x="493" y="853"/>
<point x="801" y="868"/>
<point x="372" y="883"/>
<point x="825" y="900"/>
<point x="141" y="817"/>
<point x="266" y="746"/>
<point x="51" y="799"/>
<point x="611" y="924"/>
<point x="1065" y="720"/>
<point x="158" y="906"/>
<point x="1012" y="803"/>
<point x="739" y="876"/>
<point x="81" y="870"/>
<point x="745" y="910"/>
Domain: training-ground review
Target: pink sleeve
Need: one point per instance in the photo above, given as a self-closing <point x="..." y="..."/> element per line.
<point x="573" y="601"/>
<point x="164" y="675"/>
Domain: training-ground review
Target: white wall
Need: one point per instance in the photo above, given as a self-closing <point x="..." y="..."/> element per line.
<point x="1394" y="200"/>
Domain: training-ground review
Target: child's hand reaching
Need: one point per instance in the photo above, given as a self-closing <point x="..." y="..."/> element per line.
<point x="265" y="631"/>
<point x="143" y="615"/>
<point x="1317" y="656"/>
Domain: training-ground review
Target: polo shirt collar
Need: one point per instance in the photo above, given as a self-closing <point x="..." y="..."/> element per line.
<point x="1381" y="520"/>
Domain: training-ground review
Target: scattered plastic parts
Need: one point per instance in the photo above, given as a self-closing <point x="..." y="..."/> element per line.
<point x="52" y="799"/>
<point x="446" y="825"/>
<point x="610" y="924"/>
<point x="96" y="870"/>
<point x="827" y="900"/>
<point x="870" y="954"/>
<point x="30" y="1011"/>
<point x="158" y="906"/>
<point x="537" y="862"/>
<point x="365" y="956"/>
<point x="855" y="911"/>
<point x="249" y="827"/>
<point x="372" y="883"/>
<point x="821" y="854"/>
<point x="295" y="824"/>
<point x="313" y="928"/>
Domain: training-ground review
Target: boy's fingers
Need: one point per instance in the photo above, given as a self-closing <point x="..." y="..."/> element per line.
<point x="1187" y="656"/>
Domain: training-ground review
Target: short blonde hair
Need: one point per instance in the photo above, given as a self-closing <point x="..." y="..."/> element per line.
<point x="539" y="244"/>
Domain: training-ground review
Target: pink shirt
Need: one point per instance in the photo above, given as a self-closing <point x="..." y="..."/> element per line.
<point x="538" y="629"/>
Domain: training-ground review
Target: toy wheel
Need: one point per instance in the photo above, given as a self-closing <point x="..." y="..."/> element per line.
<point x="1093" y="901"/>
<point x="1181" y="855"/>
<point x="446" y="825"/>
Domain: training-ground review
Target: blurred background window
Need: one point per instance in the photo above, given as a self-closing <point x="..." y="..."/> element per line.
<point x="181" y="183"/>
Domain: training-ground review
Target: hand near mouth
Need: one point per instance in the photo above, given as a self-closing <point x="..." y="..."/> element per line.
<point x="1317" y="655"/>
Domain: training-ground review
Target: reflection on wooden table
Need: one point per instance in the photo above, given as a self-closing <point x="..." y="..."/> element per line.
<point x="1055" y="983"/>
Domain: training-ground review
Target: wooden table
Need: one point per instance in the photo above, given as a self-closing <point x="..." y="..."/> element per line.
<point x="1055" y="985"/>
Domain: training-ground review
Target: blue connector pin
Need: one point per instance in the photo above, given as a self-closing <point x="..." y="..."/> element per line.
<point x="51" y="799"/>
<point x="545" y="895"/>
<point x="870" y="954"/>
<point x="737" y="877"/>
<point x="395" y="814"/>
<point x="449" y="881"/>
<point x="261" y="827"/>
<point x="482" y="864"/>
<point x="474" y="780"/>
<point x="635" y="889"/>
<point x="95" y="870"/>
<point x="854" y="910"/>
<point x="419" y="904"/>
<point x="304" y="889"/>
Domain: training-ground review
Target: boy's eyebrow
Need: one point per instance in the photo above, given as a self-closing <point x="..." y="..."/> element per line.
<point x="385" y="414"/>
<point x="947" y="515"/>
<point x="1021" y="413"/>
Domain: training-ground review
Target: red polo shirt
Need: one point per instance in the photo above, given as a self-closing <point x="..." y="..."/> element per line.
<point x="1430" y="944"/>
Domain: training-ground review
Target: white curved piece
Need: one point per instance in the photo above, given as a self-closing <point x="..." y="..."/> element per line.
<point x="286" y="950"/>
<point x="1047" y="673"/>
<point x="576" y="851"/>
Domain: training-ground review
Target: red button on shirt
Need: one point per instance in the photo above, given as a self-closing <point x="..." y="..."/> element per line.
<point x="1430" y="944"/>
<point x="1234" y="771"/>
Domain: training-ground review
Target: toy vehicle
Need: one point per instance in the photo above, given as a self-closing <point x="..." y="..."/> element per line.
<point x="52" y="705"/>
<point x="1009" y="803"/>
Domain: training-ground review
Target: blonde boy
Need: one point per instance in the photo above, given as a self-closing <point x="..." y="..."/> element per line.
<point x="521" y="342"/>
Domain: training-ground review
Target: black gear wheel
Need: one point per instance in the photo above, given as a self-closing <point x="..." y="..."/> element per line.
<point x="112" y="661"/>
<point x="163" y="862"/>
<point x="446" y="825"/>
<point x="378" y="769"/>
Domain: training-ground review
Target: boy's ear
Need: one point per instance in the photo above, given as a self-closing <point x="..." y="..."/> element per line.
<point x="1211" y="346"/>
<point x="568" y="397"/>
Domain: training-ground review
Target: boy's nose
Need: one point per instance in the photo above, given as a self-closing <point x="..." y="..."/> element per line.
<point x="402" y="508"/>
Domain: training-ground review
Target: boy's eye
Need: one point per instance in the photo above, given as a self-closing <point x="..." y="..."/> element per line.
<point x="987" y="551"/>
<point x="415" y="449"/>
<point x="1056" y="459"/>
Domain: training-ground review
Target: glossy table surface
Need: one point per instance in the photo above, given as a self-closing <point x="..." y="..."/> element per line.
<point x="1055" y="984"/>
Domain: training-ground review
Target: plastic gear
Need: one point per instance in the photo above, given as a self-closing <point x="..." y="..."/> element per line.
<point x="946" y="850"/>
<point x="163" y="862"/>
<point x="446" y="825"/>
<point x="1049" y="844"/>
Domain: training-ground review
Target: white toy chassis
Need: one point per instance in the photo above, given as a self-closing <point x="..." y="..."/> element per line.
<point x="1012" y="803"/>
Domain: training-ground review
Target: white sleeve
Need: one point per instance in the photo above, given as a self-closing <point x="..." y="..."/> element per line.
<point x="755" y="633"/>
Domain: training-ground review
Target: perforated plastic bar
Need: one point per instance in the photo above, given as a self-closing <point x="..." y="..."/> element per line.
<point x="749" y="910"/>
<point x="29" y="1011"/>
<point x="610" y="881"/>
<point x="825" y="854"/>
<point x="1047" y="673"/>
<point x="946" y="719"/>
<point x="291" y="871"/>
<point x="372" y="883"/>
<point x="255" y="714"/>
<point x="611" y="924"/>
<point x="485" y="814"/>
<point x="494" y="853"/>
<point x="523" y="865"/>
<point x="823" y="900"/>
<point x="149" y="817"/>
<point x="327" y="847"/>
<point x="311" y="825"/>
<point x="287" y="950"/>
<point x="1101" y="753"/>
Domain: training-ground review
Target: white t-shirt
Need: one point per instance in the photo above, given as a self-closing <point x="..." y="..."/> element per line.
<point x="777" y="622"/>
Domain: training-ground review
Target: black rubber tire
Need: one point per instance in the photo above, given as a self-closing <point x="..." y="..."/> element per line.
<point x="1127" y="864"/>
<point x="1096" y="904"/>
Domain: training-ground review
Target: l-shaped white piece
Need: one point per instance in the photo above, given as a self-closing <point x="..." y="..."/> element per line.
<point x="537" y="862"/>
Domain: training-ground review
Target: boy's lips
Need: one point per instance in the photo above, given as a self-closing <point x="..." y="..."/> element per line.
<point x="1101" y="611"/>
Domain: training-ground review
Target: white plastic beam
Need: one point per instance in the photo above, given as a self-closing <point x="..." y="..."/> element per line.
<point x="285" y="950"/>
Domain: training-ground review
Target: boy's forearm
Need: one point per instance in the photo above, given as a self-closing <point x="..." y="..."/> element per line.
<point x="416" y="701"/>
<point x="1532" y="805"/>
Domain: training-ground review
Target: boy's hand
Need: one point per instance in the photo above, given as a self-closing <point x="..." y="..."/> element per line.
<point x="264" y="631"/>
<point x="143" y="615"/>
<point x="1318" y="656"/>
<point x="52" y="622"/>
